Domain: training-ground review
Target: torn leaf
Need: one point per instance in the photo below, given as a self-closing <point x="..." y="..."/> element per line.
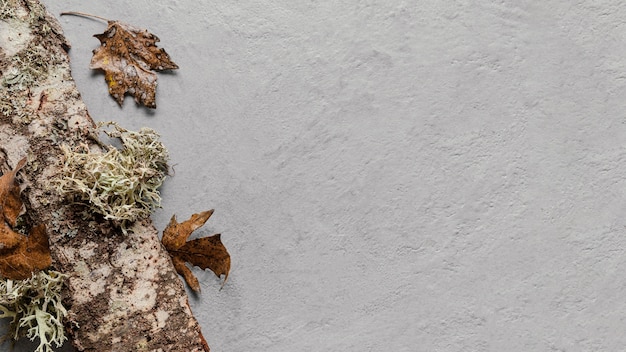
<point x="20" y="255"/>
<point x="128" y="56"/>
<point x="206" y="253"/>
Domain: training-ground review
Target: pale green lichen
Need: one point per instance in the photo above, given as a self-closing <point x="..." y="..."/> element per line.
<point x="122" y="183"/>
<point x="15" y="106"/>
<point x="6" y="108"/>
<point x="7" y="9"/>
<point x="27" y="66"/>
<point x="35" y="307"/>
<point x="31" y="11"/>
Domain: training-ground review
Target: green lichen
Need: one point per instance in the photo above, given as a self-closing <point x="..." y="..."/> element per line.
<point x="26" y="67"/>
<point x="6" y="107"/>
<point x="35" y="307"/>
<point x="122" y="183"/>
<point x="36" y="16"/>
<point x="27" y="10"/>
<point x="16" y="107"/>
<point x="7" y="9"/>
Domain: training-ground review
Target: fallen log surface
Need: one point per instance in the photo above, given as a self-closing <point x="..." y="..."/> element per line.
<point x="123" y="293"/>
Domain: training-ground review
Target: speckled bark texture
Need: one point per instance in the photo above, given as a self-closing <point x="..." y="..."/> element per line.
<point x="123" y="293"/>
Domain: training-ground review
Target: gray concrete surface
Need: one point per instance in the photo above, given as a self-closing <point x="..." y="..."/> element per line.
<point x="392" y="175"/>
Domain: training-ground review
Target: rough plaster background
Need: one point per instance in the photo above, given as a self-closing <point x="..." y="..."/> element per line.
<point x="392" y="175"/>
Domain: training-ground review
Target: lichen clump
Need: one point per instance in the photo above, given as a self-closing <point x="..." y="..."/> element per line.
<point x="35" y="307"/>
<point x="122" y="183"/>
<point x="25" y="58"/>
<point x="26" y="67"/>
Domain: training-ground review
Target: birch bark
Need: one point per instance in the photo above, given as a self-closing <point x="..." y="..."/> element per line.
<point x="123" y="293"/>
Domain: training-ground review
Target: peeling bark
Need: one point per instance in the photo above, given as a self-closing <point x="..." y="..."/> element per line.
<point x="123" y="293"/>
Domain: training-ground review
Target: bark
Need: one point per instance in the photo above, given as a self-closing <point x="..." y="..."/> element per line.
<point x="123" y="293"/>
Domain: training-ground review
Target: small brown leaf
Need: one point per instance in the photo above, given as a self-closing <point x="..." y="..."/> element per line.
<point x="20" y="256"/>
<point x="128" y="56"/>
<point x="182" y="269"/>
<point x="175" y="235"/>
<point x="206" y="253"/>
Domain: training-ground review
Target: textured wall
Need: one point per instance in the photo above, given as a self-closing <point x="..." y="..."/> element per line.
<point x="393" y="175"/>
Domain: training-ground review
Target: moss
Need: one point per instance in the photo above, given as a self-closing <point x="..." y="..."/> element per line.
<point x="35" y="307"/>
<point x="120" y="184"/>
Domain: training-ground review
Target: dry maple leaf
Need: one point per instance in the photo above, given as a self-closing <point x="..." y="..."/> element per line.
<point x="206" y="253"/>
<point x="20" y="255"/>
<point x="128" y="56"/>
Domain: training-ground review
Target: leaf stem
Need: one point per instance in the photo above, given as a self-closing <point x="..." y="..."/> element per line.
<point x="82" y="14"/>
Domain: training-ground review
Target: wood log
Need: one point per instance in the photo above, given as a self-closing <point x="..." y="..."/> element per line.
<point x="123" y="293"/>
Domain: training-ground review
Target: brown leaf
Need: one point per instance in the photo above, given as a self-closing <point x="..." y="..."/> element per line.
<point x="31" y="255"/>
<point x="20" y="256"/>
<point x="175" y="235"/>
<point x="128" y="56"/>
<point x="8" y="238"/>
<point x="183" y="270"/>
<point x="10" y="202"/>
<point x="10" y="208"/>
<point x="206" y="253"/>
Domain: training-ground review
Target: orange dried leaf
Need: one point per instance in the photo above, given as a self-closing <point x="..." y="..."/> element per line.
<point x="175" y="235"/>
<point x="31" y="255"/>
<point x="206" y="253"/>
<point x="10" y="208"/>
<point x="10" y="202"/>
<point x="129" y="56"/>
<point x="8" y="238"/>
<point x="182" y="269"/>
<point x="20" y="256"/>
